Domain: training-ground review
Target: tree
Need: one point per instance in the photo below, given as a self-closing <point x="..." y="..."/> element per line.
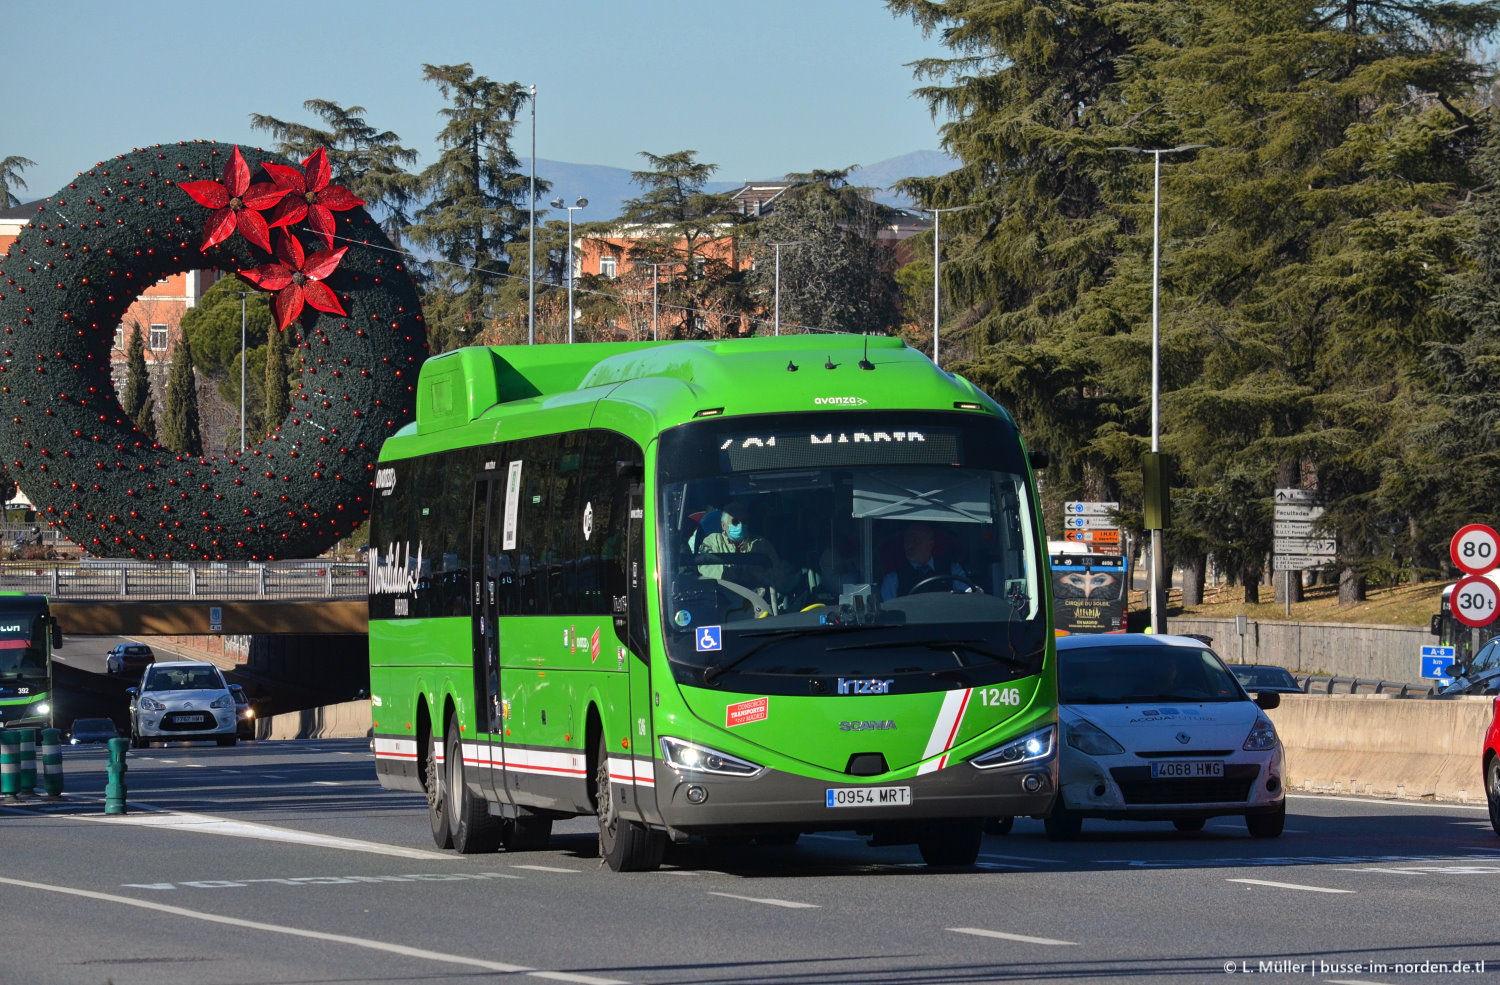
<point x="10" y="178"/>
<point x="370" y="163"/>
<point x="278" y="400"/>
<point x="179" y="419"/>
<point x="677" y="224"/>
<point x="213" y="325"/>
<point x="835" y="275"/>
<point x="477" y="205"/>
<point x="136" y="400"/>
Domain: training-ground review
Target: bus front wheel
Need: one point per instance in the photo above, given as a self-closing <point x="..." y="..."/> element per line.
<point x="628" y="846"/>
<point x="951" y="842"/>
<point x="474" y="829"/>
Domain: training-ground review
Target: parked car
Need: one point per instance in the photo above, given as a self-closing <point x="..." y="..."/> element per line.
<point x="1481" y="675"/>
<point x="244" y="715"/>
<point x="1491" y="764"/>
<point x="1156" y="728"/>
<point x="1262" y="678"/>
<point x="182" y="700"/>
<point x="86" y="730"/>
<point x="128" y="658"/>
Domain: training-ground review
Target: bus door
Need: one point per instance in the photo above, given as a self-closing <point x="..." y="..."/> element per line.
<point x="630" y="620"/>
<point x="488" y="576"/>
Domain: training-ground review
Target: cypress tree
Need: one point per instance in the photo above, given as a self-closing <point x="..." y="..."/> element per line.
<point x="179" y="420"/>
<point x="278" y="401"/>
<point x="136" y="400"/>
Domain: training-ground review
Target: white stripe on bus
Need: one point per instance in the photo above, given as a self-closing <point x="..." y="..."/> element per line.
<point x="944" y="730"/>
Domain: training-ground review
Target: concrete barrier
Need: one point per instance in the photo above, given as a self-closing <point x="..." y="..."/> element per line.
<point x="1391" y="653"/>
<point x="350" y="720"/>
<point x="1378" y="745"/>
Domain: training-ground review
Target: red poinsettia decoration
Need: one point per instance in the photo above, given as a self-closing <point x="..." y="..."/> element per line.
<point x="295" y="278"/>
<point x="235" y="202"/>
<point x="310" y="196"/>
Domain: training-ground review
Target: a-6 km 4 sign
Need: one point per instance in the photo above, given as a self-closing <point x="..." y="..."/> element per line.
<point x="1475" y="549"/>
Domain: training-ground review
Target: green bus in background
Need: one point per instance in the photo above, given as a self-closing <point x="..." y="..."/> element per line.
<point x="752" y="587"/>
<point x="28" y="635"/>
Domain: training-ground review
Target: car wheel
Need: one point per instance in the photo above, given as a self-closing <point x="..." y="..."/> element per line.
<point x="999" y="825"/>
<point x="951" y="842"/>
<point x="1267" y="825"/>
<point x="436" y="783"/>
<point x="1188" y="824"/>
<point x="136" y="742"/>
<point x="628" y="846"/>
<point x="475" y="830"/>
<point x="1063" y="825"/>
<point x="1492" y="791"/>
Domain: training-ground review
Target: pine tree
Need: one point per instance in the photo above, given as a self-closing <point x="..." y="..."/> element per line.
<point x="136" y="400"/>
<point x="10" y="178"/>
<point x="278" y="400"/>
<point x="179" y="420"/>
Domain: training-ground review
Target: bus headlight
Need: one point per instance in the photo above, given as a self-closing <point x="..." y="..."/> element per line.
<point x="1027" y="749"/>
<point x="686" y="756"/>
<point x="42" y="708"/>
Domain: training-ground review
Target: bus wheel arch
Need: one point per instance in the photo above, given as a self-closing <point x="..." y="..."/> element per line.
<point x="627" y="846"/>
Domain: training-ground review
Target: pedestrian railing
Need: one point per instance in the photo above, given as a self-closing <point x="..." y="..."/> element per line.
<point x="92" y="579"/>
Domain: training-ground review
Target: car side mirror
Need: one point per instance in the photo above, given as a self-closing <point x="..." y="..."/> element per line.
<point x="132" y="691"/>
<point x="1268" y="699"/>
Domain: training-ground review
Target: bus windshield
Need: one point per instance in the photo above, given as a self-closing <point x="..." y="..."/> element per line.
<point x="23" y="648"/>
<point x="848" y="544"/>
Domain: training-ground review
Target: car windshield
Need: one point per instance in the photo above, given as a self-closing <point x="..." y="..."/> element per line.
<point x="1132" y="674"/>
<point x="911" y="539"/>
<point x="1253" y="677"/>
<point x="184" y="679"/>
<point x="23" y="647"/>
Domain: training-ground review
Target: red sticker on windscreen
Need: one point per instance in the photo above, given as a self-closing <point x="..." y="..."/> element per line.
<point x="745" y="712"/>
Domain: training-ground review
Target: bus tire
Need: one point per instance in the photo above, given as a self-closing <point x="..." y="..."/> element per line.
<point x="227" y="740"/>
<point x="474" y="830"/>
<point x="999" y="825"/>
<point x="1063" y="825"/>
<point x="1189" y="824"/>
<point x="951" y="842"/>
<point x="628" y="846"/>
<point x="435" y="783"/>
<point x="527" y="833"/>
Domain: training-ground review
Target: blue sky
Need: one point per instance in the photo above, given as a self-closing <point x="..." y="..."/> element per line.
<point x="759" y="88"/>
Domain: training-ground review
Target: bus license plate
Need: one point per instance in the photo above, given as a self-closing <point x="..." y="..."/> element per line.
<point x="1185" y="770"/>
<point x="869" y="796"/>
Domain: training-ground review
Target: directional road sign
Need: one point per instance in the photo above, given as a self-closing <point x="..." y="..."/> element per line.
<point x="1089" y="523"/>
<point x="1291" y="528"/>
<point x="1296" y="496"/>
<point x="1326" y="547"/>
<point x="1090" y="508"/>
<point x="1473" y="600"/>
<point x="1475" y="548"/>
<point x="1092" y="536"/>
<point x="1294" y="511"/>
<point x="1296" y="562"/>
<point x="1435" y="663"/>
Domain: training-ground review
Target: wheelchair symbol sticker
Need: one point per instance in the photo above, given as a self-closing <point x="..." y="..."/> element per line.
<point x="709" y="638"/>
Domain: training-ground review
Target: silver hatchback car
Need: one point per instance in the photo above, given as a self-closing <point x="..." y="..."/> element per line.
<point x="182" y="701"/>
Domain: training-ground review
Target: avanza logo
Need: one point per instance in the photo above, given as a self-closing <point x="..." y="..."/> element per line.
<point x="385" y="480"/>
<point x="840" y="401"/>
<point x="852" y="686"/>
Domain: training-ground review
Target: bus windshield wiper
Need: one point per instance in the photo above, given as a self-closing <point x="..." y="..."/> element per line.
<point x="972" y="646"/>
<point x="777" y="636"/>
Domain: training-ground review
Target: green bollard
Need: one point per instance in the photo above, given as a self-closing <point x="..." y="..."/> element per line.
<point x="28" y="761"/>
<point x="52" y="765"/>
<point x="10" y="763"/>
<point x="114" y="790"/>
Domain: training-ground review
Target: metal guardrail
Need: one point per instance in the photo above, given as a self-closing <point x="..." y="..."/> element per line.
<point x="1311" y="684"/>
<point x="91" y="580"/>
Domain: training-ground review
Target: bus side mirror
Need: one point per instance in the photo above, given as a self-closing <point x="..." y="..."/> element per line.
<point x="1453" y="670"/>
<point x="1435" y="627"/>
<point x="1039" y="459"/>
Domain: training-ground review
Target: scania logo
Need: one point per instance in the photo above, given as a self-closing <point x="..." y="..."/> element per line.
<point x="883" y="725"/>
<point x="840" y="401"/>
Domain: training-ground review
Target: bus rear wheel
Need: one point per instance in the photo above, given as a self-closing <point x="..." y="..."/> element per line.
<point x="474" y="829"/>
<point x="435" y="785"/>
<point x="628" y="846"/>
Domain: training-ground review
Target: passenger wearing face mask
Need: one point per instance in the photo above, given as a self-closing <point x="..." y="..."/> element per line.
<point x="735" y="537"/>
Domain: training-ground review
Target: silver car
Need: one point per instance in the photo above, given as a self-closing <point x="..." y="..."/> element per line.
<point x="182" y="701"/>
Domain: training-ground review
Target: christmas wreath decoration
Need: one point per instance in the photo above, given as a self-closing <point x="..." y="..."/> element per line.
<point x="342" y="295"/>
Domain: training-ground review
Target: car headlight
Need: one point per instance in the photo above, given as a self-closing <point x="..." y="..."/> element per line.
<point x="1027" y="749"/>
<point x="1262" y="736"/>
<point x="1089" y="738"/>
<point x="222" y="701"/>
<point x="701" y="759"/>
<point x="151" y="704"/>
<point x="249" y="713"/>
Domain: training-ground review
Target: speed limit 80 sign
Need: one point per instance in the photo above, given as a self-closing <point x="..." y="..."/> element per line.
<point x="1473" y="601"/>
<point x="1475" y="549"/>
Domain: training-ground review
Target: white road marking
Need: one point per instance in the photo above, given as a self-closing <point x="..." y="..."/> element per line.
<point x="789" y="904"/>
<point x="318" y="935"/>
<point x="327" y="783"/>
<point x="1001" y="935"/>
<point x="1021" y="858"/>
<point x="272" y="776"/>
<point x="546" y="868"/>
<point x="1289" y="885"/>
<point x="1391" y="802"/>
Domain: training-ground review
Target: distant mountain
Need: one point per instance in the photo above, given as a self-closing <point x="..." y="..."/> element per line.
<point x="607" y="188"/>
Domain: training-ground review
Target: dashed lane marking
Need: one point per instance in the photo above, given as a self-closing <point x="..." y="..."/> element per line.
<point x="546" y="868"/>
<point x="385" y="947"/>
<point x="1289" y="885"/>
<point x="1019" y="938"/>
<point x="786" y="903"/>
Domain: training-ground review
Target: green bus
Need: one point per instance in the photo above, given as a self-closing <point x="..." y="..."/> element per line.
<point x="676" y="586"/>
<point x="28" y="634"/>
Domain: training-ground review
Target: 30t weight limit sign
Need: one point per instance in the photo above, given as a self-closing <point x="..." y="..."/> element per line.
<point x="1475" y="549"/>
<point x="1473" y="601"/>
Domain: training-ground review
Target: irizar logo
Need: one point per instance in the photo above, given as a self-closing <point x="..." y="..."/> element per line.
<point x="851" y="686"/>
<point x="840" y="401"/>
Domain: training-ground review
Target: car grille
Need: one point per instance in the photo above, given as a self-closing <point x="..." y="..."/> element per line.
<point x="1137" y="787"/>
<point x="173" y="721"/>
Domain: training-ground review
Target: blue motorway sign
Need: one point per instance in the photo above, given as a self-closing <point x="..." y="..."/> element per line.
<point x="1435" y="661"/>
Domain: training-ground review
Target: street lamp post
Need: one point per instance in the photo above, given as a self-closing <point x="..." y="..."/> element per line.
<point x="777" y="308"/>
<point x="1158" y="583"/>
<point x="936" y="294"/>
<point x="656" y="279"/>
<point x="531" y="246"/>
<point x="243" y="295"/>
<point x="557" y="203"/>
